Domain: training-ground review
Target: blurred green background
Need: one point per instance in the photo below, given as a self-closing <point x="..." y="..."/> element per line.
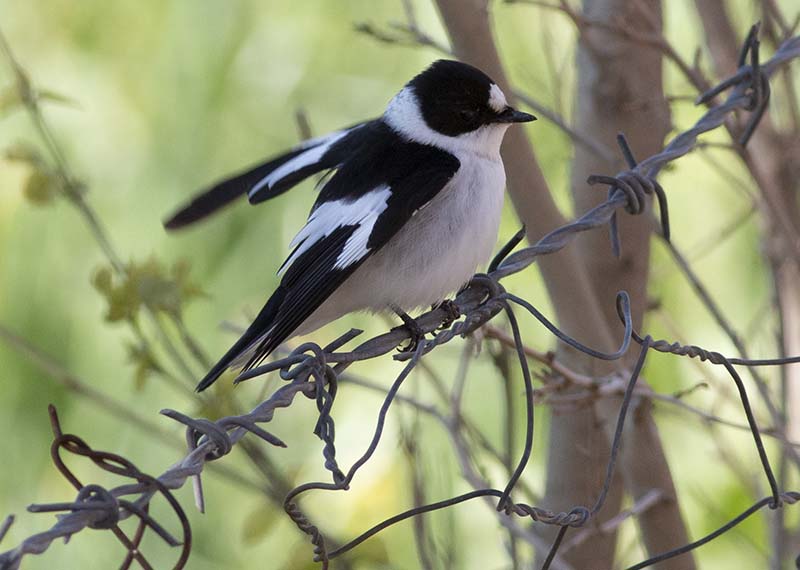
<point x="164" y="97"/>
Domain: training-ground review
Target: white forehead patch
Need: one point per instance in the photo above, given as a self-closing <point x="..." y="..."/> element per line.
<point x="497" y="100"/>
<point x="403" y="115"/>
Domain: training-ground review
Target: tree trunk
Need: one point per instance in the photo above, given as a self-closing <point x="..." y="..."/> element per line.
<point x="579" y="448"/>
<point x="620" y="90"/>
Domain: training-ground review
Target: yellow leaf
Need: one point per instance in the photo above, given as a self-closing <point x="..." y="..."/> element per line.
<point x="9" y="98"/>
<point x="101" y="280"/>
<point x="55" y="97"/>
<point x="145" y="283"/>
<point x="123" y="302"/>
<point x="23" y="152"/>
<point x="145" y="364"/>
<point x="40" y="187"/>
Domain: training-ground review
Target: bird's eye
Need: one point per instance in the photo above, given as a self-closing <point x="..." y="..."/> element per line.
<point x="468" y="115"/>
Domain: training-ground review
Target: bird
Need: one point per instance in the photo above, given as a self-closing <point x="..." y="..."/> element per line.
<point x="409" y="209"/>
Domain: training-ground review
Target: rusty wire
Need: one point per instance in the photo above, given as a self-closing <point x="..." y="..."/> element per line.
<point x="103" y="509"/>
<point x="313" y="371"/>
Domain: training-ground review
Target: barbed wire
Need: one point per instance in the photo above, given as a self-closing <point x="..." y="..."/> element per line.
<point x="101" y="508"/>
<point x="314" y="372"/>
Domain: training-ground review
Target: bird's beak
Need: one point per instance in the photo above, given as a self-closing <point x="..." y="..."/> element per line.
<point x="511" y="115"/>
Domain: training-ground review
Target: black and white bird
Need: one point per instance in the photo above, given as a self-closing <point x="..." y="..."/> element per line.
<point x="411" y="210"/>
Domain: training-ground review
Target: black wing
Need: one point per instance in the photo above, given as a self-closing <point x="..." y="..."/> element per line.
<point x="271" y="178"/>
<point x="377" y="189"/>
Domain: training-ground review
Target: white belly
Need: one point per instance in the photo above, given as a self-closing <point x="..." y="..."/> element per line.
<point x="434" y="254"/>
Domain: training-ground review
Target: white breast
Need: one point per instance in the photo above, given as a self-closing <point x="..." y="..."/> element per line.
<point x="434" y="254"/>
<point x="442" y="246"/>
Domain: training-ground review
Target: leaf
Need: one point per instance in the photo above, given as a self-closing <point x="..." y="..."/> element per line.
<point x="145" y="364"/>
<point x="122" y="298"/>
<point x="40" y="187"/>
<point x="102" y="280"/>
<point x="56" y="97"/>
<point x="189" y="289"/>
<point x="23" y="152"/>
<point x="16" y="95"/>
<point x="147" y="284"/>
<point x="9" y="99"/>
<point x="156" y="290"/>
<point x="123" y="303"/>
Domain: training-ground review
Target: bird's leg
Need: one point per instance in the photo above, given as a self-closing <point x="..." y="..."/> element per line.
<point x="451" y="311"/>
<point x="416" y="332"/>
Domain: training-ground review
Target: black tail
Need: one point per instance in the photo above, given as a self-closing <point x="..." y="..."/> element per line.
<point x="257" y="329"/>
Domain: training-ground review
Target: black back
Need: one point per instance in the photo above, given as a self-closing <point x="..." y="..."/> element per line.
<point x="415" y="173"/>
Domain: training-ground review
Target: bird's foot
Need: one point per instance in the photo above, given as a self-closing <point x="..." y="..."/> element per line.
<point x="452" y="313"/>
<point x="415" y="331"/>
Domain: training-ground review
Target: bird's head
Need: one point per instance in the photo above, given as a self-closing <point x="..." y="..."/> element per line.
<point x="454" y="106"/>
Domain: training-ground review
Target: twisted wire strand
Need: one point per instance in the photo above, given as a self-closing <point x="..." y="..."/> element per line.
<point x="739" y="98"/>
<point x="101" y="508"/>
<point x="789" y="498"/>
<point x="211" y="443"/>
<point x="578" y="516"/>
<point x="717" y="358"/>
<point x="311" y="374"/>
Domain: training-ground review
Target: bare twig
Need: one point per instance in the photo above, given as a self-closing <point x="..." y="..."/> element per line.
<point x="315" y="371"/>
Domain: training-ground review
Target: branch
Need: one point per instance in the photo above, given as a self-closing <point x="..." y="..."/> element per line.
<point x="313" y="371"/>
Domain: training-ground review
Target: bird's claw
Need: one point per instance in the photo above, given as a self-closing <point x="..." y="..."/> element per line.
<point x="416" y="334"/>
<point x="452" y="313"/>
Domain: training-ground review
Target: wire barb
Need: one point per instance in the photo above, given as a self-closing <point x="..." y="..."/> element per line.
<point x="99" y="508"/>
<point x="316" y="372"/>
<point x="751" y="80"/>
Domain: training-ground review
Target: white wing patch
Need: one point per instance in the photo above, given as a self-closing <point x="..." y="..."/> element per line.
<point x="318" y="147"/>
<point x="329" y="216"/>
<point x="497" y="99"/>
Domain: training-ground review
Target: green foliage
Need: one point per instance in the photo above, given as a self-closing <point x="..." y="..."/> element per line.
<point x="144" y="364"/>
<point x="41" y="186"/>
<point x="14" y="97"/>
<point x="175" y="94"/>
<point x="147" y="284"/>
<point x="9" y="99"/>
<point x="50" y="96"/>
<point x="23" y="152"/>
